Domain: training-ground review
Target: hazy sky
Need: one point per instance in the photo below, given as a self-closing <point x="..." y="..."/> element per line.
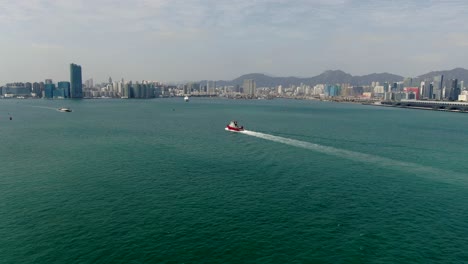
<point x="170" y="40"/>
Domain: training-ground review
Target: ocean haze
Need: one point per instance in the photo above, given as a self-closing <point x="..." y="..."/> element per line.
<point x="219" y="40"/>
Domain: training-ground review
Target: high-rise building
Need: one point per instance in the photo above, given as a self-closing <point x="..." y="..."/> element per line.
<point x="438" y="85"/>
<point x="249" y="87"/>
<point x="36" y="89"/>
<point x="211" y="87"/>
<point x="65" y="86"/>
<point x="49" y="90"/>
<point x="451" y="90"/>
<point x="48" y="81"/>
<point x="76" y="89"/>
<point x="455" y="90"/>
<point x="426" y="90"/>
<point x="280" y="89"/>
<point x="16" y="89"/>
<point x="89" y="83"/>
<point x="126" y="92"/>
<point x="187" y="89"/>
<point x="394" y="88"/>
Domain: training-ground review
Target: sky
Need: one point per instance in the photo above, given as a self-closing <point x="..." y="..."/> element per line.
<point x="175" y="40"/>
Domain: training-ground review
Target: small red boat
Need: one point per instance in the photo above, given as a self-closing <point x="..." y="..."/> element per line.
<point x="234" y="127"/>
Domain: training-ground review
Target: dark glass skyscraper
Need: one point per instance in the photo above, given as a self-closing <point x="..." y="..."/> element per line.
<point x="76" y="89"/>
<point x="451" y="90"/>
<point x="49" y="90"/>
<point x="66" y="88"/>
<point x="454" y="89"/>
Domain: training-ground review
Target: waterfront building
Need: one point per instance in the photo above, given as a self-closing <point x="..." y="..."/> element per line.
<point x="28" y="86"/>
<point x="463" y="96"/>
<point x="249" y="87"/>
<point x="387" y="87"/>
<point x="332" y="90"/>
<point x="357" y="90"/>
<point x="430" y="90"/>
<point x="41" y="88"/>
<point x="438" y="87"/>
<point x="280" y="90"/>
<point x="412" y="93"/>
<point x="49" y="90"/>
<point x="136" y="90"/>
<point x="451" y="90"/>
<point x="394" y="88"/>
<point x="76" y="89"/>
<point x="126" y="91"/>
<point x="16" y="89"/>
<point x="187" y="89"/>
<point x="48" y="81"/>
<point x="115" y="87"/>
<point x="89" y="83"/>
<point x="58" y="93"/>
<point x="211" y="87"/>
<point x="65" y="86"/>
<point x="426" y="90"/>
<point x="36" y="89"/>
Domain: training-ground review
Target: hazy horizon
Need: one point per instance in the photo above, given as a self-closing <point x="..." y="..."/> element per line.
<point x="167" y="40"/>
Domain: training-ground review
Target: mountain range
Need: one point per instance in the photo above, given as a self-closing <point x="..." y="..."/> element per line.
<point x="338" y="77"/>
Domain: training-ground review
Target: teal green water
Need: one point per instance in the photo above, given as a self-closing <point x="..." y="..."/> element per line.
<point x="160" y="181"/>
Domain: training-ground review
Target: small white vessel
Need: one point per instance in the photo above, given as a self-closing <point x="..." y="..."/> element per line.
<point x="64" y="109"/>
<point x="186" y="98"/>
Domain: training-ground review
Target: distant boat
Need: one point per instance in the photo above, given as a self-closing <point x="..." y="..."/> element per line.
<point x="64" y="109"/>
<point x="186" y="98"/>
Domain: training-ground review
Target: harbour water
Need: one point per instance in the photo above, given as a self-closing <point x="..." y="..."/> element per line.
<point x="161" y="181"/>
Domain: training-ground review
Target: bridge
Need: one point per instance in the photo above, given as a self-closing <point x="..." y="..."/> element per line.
<point x="435" y="105"/>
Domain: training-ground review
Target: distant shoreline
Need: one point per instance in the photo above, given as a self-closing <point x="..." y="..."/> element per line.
<point x="418" y="108"/>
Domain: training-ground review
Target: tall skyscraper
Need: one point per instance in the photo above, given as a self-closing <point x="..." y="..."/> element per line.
<point x="451" y="90"/>
<point x="75" y="81"/>
<point x="249" y="87"/>
<point x="438" y="84"/>
<point x="426" y="90"/>
<point x="455" y="90"/>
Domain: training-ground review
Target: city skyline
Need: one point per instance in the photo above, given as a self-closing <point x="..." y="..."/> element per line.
<point x="220" y="40"/>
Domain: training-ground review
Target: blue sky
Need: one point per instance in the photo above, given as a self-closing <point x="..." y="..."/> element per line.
<point x="173" y="40"/>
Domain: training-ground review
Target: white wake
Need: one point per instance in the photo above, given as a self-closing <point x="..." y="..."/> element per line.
<point x="421" y="170"/>
<point x="44" y="107"/>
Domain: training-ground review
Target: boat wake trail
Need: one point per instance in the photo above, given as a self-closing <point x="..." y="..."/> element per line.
<point x="44" y="107"/>
<point x="424" y="171"/>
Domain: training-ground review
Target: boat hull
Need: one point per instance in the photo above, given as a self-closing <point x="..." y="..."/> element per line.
<point x="234" y="129"/>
